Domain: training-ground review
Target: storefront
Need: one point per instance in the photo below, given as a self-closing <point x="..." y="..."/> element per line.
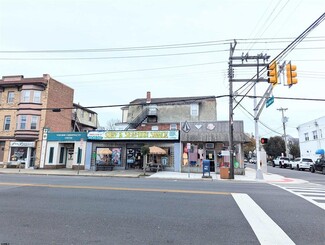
<point x="65" y="150"/>
<point x="123" y="148"/>
<point x="22" y="153"/>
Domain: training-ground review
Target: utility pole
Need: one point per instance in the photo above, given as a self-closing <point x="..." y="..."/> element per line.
<point x="231" y="118"/>
<point x="284" y="120"/>
<point x="257" y="106"/>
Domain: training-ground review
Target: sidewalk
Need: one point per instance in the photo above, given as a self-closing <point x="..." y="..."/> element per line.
<point x="250" y="175"/>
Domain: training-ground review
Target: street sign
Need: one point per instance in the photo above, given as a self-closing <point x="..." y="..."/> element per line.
<point x="269" y="101"/>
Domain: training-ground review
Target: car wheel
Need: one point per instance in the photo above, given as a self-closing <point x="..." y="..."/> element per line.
<point x="298" y="167"/>
<point x="280" y="165"/>
<point x="290" y="166"/>
<point x="312" y="169"/>
<point x="273" y="164"/>
<point x="323" y="170"/>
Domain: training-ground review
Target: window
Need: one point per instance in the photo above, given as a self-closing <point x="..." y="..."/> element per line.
<point x="173" y="126"/>
<point x="37" y="97"/>
<point x="90" y="117"/>
<point x="31" y="96"/>
<point x="315" y="137"/>
<point x="61" y="155"/>
<point x="22" y="122"/>
<point x="34" y="122"/>
<point x="51" y="155"/>
<point x="194" y="109"/>
<point x="320" y="134"/>
<point x="79" y="155"/>
<point x="25" y="96"/>
<point x="7" y="123"/>
<point x="306" y="137"/>
<point x="11" y="97"/>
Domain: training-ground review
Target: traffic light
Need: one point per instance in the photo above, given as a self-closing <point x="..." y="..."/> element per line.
<point x="291" y="74"/>
<point x="264" y="141"/>
<point x="272" y="73"/>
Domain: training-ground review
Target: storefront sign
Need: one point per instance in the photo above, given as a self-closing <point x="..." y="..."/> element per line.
<point x="22" y="144"/>
<point x="71" y="136"/>
<point x="133" y="135"/>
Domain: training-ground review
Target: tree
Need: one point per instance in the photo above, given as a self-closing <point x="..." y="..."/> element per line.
<point x="295" y="150"/>
<point x="110" y="125"/>
<point x="145" y="150"/>
<point x="275" y="146"/>
<point x="249" y="147"/>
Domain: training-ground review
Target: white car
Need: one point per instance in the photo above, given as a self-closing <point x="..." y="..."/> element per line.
<point x="301" y="163"/>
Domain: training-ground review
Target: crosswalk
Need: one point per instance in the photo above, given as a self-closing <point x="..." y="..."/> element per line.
<point x="314" y="193"/>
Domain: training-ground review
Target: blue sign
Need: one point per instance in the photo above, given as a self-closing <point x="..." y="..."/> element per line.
<point x="66" y="136"/>
<point x="269" y="101"/>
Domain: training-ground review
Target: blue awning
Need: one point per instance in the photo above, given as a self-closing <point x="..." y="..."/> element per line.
<point x="320" y="151"/>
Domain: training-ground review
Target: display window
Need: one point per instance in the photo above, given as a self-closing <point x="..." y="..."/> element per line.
<point x="18" y="153"/>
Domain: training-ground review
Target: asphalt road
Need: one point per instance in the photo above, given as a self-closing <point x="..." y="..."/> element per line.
<point x="91" y="210"/>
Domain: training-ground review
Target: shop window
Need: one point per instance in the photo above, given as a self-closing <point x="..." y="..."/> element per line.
<point x="51" y="155"/>
<point x="79" y="156"/>
<point x="7" y="123"/>
<point x="18" y="153"/>
<point x="61" y="155"/>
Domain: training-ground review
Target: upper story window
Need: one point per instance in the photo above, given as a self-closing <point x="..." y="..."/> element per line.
<point x="22" y="122"/>
<point x="11" y="97"/>
<point x="194" y="109"/>
<point x="315" y="136"/>
<point x="31" y="96"/>
<point x="306" y="137"/>
<point x="34" y="122"/>
<point x="6" y="125"/>
<point x="90" y="117"/>
<point x="320" y="134"/>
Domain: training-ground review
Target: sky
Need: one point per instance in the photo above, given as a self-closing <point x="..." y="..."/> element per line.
<point x="112" y="52"/>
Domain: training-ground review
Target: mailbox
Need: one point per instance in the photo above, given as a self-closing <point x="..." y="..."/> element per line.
<point x="206" y="167"/>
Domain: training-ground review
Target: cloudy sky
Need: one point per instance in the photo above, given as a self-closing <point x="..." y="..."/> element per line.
<point x="112" y="52"/>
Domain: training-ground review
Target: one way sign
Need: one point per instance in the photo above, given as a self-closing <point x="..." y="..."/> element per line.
<point x="186" y="127"/>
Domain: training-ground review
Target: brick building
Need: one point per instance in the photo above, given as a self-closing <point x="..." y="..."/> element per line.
<point x="27" y="108"/>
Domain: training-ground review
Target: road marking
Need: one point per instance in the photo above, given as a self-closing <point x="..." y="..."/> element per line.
<point x="115" y="188"/>
<point x="265" y="229"/>
<point x="309" y="191"/>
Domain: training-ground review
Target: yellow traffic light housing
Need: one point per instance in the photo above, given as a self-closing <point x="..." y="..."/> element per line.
<point x="272" y="73"/>
<point x="291" y="74"/>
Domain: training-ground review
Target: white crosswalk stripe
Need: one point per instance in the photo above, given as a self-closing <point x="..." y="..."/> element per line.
<point x="314" y="193"/>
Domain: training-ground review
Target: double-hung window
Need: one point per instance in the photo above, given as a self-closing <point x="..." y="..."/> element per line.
<point x="7" y="123"/>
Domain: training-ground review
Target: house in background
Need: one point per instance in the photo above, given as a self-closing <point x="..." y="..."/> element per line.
<point x="28" y="108"/>
<point x="312" y="137"/>
<point x="83" y="119"/>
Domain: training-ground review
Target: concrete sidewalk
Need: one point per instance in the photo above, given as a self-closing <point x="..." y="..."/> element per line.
<point x="250" y="174"/>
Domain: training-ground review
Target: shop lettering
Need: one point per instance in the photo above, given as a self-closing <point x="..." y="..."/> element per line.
<point x="159" y="135"/>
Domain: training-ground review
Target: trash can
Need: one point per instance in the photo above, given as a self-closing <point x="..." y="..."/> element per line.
<point x="224" y="173"/>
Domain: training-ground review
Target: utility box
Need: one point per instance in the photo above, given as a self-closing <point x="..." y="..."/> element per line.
<point x="224" y="173"/>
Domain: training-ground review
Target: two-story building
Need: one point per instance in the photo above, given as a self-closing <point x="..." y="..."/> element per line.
<point x="172" y="124"/>
<point x="312" y="137"/>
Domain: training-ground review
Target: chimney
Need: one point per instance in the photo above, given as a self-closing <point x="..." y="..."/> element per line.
<point x="148" y="97"/>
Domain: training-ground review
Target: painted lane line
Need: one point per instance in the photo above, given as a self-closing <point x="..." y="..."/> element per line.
<point x="265" y="229"/>
<point x="108" y="188"/>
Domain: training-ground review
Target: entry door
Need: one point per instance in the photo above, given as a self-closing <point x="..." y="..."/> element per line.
<point x="210" y="157"/>
<point x="2" y="150"/>
<point x="70" y="157"/>
<point x="32" y="158"/>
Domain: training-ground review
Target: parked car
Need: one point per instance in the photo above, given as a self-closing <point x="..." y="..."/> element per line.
<point x="319" y="165"/>
<point x="253" y="160"/>
<point x="282" y="162"/>
<point x="301" y="163"/>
